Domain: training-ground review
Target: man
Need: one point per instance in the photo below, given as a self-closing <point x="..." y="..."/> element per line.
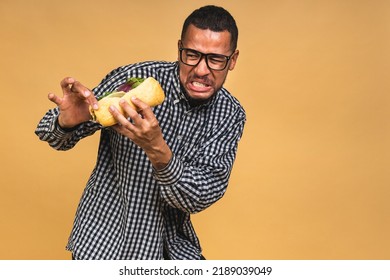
<point x="157" y="165"/>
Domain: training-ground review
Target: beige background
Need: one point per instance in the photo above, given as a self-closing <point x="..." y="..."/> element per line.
<point x="311" y="179"/>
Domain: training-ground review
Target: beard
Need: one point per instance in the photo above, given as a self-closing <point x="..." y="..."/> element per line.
<point x="198" y="101"/>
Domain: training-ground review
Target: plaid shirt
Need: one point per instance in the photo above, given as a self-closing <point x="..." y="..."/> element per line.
<point x="128" y="209"/>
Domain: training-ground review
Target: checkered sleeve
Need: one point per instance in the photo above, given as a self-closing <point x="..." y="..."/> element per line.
<point x="192" y="185"/>
<point x="62" y="139"/>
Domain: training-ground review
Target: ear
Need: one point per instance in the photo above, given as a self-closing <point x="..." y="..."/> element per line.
<point x="178" y="47"/>
<point x="233" y="60"/>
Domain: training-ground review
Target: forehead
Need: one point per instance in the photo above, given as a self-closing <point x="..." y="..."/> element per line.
<point x="207" y="41"/>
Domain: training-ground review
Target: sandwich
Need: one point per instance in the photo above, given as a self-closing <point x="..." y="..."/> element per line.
<point x="147" y="90"/>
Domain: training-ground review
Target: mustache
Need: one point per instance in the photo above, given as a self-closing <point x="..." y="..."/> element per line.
<point x="203" y="79"/>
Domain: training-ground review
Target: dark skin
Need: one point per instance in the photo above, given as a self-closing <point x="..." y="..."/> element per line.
<point x="74" y="104"/>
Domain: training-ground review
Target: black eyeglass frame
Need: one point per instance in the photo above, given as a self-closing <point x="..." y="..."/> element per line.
<point x="205" y="55"/>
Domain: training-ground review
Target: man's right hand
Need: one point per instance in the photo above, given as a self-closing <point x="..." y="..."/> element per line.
<point x="74" y="104"/>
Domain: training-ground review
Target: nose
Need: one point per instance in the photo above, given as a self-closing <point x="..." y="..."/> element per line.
<point x="202" y="69"/>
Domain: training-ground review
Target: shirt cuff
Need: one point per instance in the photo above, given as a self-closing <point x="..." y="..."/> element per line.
<point x="171" y="173"/>
<point x="58" y="131"/>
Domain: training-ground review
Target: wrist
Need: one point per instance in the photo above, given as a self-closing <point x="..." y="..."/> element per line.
<point x="61" y="123"/>
<point x="160" y="155"/>
<point x="63" y="126"/>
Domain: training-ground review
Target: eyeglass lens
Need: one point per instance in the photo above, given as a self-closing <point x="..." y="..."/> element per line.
<point x="213" y="61"/>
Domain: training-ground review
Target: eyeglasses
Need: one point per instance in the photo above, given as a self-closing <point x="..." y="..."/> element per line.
<point x="214" y="61"/>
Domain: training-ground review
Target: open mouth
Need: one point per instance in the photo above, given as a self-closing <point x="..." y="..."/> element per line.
<point x="199" y="86"/>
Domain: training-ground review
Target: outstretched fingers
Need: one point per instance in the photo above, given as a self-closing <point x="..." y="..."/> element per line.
<point x="55" y="99"/>
<point x="70" y="86"/>
<point x="66" y="84"/>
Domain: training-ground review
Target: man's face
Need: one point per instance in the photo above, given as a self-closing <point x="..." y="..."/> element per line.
<point x="200" y="82"/>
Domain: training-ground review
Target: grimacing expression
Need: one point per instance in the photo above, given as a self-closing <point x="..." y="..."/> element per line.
<point x="200" y="82"/>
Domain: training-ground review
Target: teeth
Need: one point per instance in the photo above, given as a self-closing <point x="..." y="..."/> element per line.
<point x="198" y="84"/>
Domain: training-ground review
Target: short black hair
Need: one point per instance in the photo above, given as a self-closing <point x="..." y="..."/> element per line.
<point x="216" y="19"/>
